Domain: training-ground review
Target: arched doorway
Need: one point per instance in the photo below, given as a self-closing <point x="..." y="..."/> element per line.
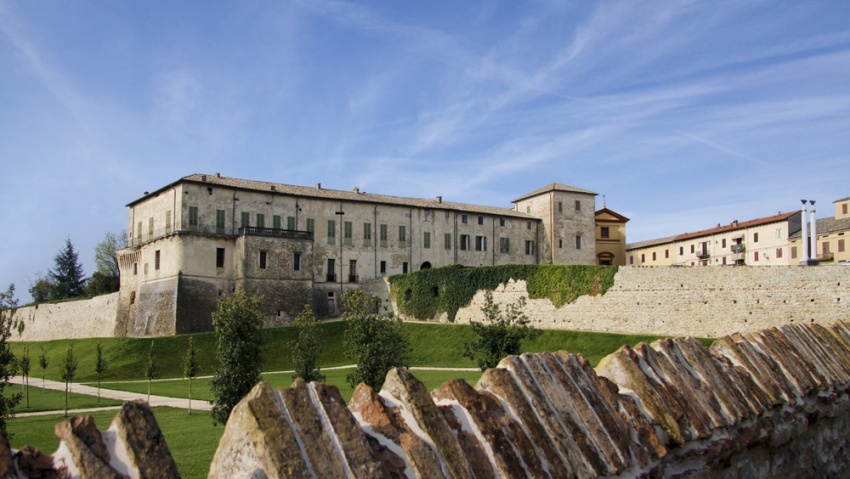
<point x="426" y="265"/>
<point x="605" y="259"/>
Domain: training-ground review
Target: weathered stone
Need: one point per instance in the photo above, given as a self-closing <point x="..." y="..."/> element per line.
<point x="7" y="467"/>
<point x="33" y="464"/>
<point x="87" y="448"/>
<point x="146" y="447"/>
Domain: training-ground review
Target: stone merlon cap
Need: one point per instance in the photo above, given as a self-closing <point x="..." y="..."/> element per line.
<point x="555" y="187"/>
<point x="325" y="193"/>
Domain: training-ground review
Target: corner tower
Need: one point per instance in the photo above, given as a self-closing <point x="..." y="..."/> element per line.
<point x="567" y="234"/>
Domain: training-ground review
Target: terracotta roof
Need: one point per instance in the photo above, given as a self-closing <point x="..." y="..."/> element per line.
<point x="648" y="243"/>
<point x="737" y="226"/>
<point x="612" y="213"/>
<point x="323" y="193"/>
<point x="842" y="199"/>
<point x="826" y="226"/>
<point x="555" y="187"/>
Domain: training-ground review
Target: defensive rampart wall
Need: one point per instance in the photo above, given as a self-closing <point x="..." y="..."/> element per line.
<point x="685" y="301"/>
<point x="86" y="318"/>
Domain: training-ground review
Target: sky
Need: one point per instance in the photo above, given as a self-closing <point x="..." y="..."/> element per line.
<point x="683" y="114"/>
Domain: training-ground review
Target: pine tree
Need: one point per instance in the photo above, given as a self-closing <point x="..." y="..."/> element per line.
<point x="67" y="274"/>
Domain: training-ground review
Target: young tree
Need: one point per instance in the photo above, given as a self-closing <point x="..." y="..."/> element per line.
<point x="307" y="348"/>
<point x="69" y="368"/>
<point x="374" y="339"/>
<point x="106" y="278"/>
<point x="100" y="367"/>
<point x="67" y="274"/>
<point x="190" y="369"/>
<point x="24" y="363"/>
<point x="43" y="361"/>
<point x="501" y="336"/>
<point x="237" y="321"/>
<point x="41" y="290"/>
<point x="8" y="306"/>
<point x="151" y="372"/>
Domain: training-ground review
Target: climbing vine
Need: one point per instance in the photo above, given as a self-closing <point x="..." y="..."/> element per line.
<point x="426" y="293"/>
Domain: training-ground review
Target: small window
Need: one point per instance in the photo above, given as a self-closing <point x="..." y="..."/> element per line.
<point x="681" y="250"/>
<point x="463" y="218"/>
<point x="135" y="268"/>
<point x="844" y="209"/>
<point x="402" y="236"/>
<point x="245" y="220"/>
<point x="480" y="220"/>
<point x="156" y="257"/>
<point x="193" y="217"/>
<point x="826" y="247"/>
<point x="653" y="256"/>
<point x="504" y="245"/>
<point x="296" y="261"/>
<point x="348" y="228"/>
<point x="404" y="267"/>
<point x="480" y="243"/>
<point x="447" y="241"/>
<point x="778" y="252"/>
<point x="666" y="253"/>
<point x="219" y="257"/>
<point x="383" y="236"/>
<point x="793" y="252"/>
<point x="139" y="232"/>
<point x="723" y="243"/>
<point x="578" y="205"/>
<point x="290" y="222"/>
<point x="464" y="242"/>
<point x="501" y="222"/>
<point x="261" y="220"/>
<point x="631" y="259"/>
<point x="841" y="246"/>
<point x="367" y="234"/>
<point x="331" y="231"/>
<point x="383" y="267"/>
<point x="578" y="242"/>
<point x="276" y="222"/>
<point x="311" y="225"/>
<point x="692" y="248"/>
<point x="263" y="256"/>
<point x="528" y="225"/>
<point x="755" y="237"/>
<point x="755" y="256"/>
<point x="426" y="240"/>
<point x="560" y="243"/>
<point x="643" y="258"/>
<point x="560" y="207"/>
<point x="528" y="209"/>
<point x="219" y="221"/>
<point x="606" y="232"/>
<point x="529" y="247"/>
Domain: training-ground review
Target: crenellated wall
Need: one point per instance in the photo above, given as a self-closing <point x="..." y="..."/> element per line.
<point x="767" y="404"/>
<point x="684" y="301"/>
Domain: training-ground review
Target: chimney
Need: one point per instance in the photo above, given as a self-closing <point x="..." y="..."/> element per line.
<point x="356" y="190"/>
<point x="439" y="199"/>
<point x="318" y="186"/>
<point x="218" y="175"/>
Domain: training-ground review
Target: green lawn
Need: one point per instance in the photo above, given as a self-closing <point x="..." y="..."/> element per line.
<point x="50" y="400"/>
<point x="191" y="439"/>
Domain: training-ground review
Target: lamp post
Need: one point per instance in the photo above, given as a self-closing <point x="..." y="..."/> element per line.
<point x="805" y="259"/>
<point x="814" y="241"/>
<point x="340" y="213"/>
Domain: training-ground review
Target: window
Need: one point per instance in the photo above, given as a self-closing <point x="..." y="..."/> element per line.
<point x="168" y="222"/>
<point x="290" y="223"/>
<point x="331" y="231"/>
<point x="841" y="245"/>
<point x="263" y="256"/>
<point x="528" y="225"/>
<point x="404" y="267"/>
<point x="276" y="222"/>
<point x="529" y="247"/>
<point x="480" y="220"/>
<point x="631" y="259"/>
<point x="578" y="242"/>
<point x="844" y="209"/>
<point x="606" y="232"/>
<point x="778" y="233"/>
<point x="755" y="256"/>
<point x="331" y="271"/>
<point x="560" y="207"/>
<point x="578" y="205"/>
<point x="193" y="218"/>
<point x="501" y="222"/>
<point x="139" y="232"/>
<point x="347" y="232"/>
<point x="653" y="256"/>
<point x="296" y="261"/>
<point x="826" y="247"/>
<point x="311" y="225"/>
<point x="156" y="257"/>
<point x="245" y="219"/>
<point x="480" y="243"/>
<point x="464" y="242"/>
<point x="402" y="237"/>
<point x="426" y="240"/>
<point x="692" y="248"/>
<point x="261" y="220"/>
<point x="528" y="209"/>
<point x="352" y="271"/>
<point x="643" y="258"/>
<point x="504" y="245"/>
<point x="150" y="228"/>
<point x="755" y="237"/>
<point x="793" y="252"/>
<point x="723" y="243"/>
<point x="383" y="236"/>
<point x="367" y="234"/>
<point x="681" y="250"/>
<point x="135" y="269"/>
<point x="219" y="257"/>
<point x="666" y="253"/>
<point x="463" y="219"/>
<point x="447" y="241"/>
<point x="219" y="221"/>
<point x="778" y="252"/>
<point x="560" y="243"/>
<point x="383" y="267"/>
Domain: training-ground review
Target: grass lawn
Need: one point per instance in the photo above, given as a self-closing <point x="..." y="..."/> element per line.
<point x="50" y="400"/>
<point x="191" y="439"/>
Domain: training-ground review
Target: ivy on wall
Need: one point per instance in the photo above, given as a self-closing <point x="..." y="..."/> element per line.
<point x="426" y="293"/>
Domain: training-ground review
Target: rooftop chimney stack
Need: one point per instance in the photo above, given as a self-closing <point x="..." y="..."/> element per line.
<point x="805" y="257"/>
<point x="814" y="241"/>
<point x="439" y="199"/>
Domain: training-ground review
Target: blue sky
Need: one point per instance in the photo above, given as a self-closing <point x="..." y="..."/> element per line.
<point x="684" y="114"/>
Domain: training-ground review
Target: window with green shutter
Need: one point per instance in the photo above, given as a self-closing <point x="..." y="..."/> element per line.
<point x="367" y="234"/>
<point x="193" y="218"/>
<point x="276" y="222"/>
<point x="219" y="221"/>
<point x="347" y="233"/>
<point x="261" y="220"/>
<point x="383" y="236"/>
<point x="311" y="225"/>
<point x="402" y="237"/>
<point x="168" y="222"/>
<point x="447" y="241"/>
<point x="331" y="231"/>
<point x="245" y="220"/>
<point x="290" y="223"/>
<point x="426" y="240"/>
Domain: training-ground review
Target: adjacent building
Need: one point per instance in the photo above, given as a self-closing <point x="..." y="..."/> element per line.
<point x="203" y="236"/>
<point x="831" y="232"/>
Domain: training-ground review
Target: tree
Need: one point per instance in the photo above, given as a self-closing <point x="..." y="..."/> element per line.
<point x="151" y="372"/>
<point x="43" y="361"/>
<point x="106" y="279"/>
<point x="41" y="290"/>
<point x="67" y="274"/>
<point x="237" y="321"/>
<point x="190" y="369"/>
<point x="374" y="339"/>
<point x="69" y="368"/>
<point x="307" y="348"/>
<point x="100" y="367"/>
<point x="8" y="306"/>
<point x="503" y="334"/>
<point x="24" y="364"/>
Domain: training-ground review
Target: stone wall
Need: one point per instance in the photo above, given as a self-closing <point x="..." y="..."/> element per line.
<point x="775" y="403"/>
<point x="701" y="302"/>
<point x="86" y="318"/>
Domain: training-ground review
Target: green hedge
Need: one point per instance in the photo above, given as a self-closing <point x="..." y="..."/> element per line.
<point x="426" y="293"/>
